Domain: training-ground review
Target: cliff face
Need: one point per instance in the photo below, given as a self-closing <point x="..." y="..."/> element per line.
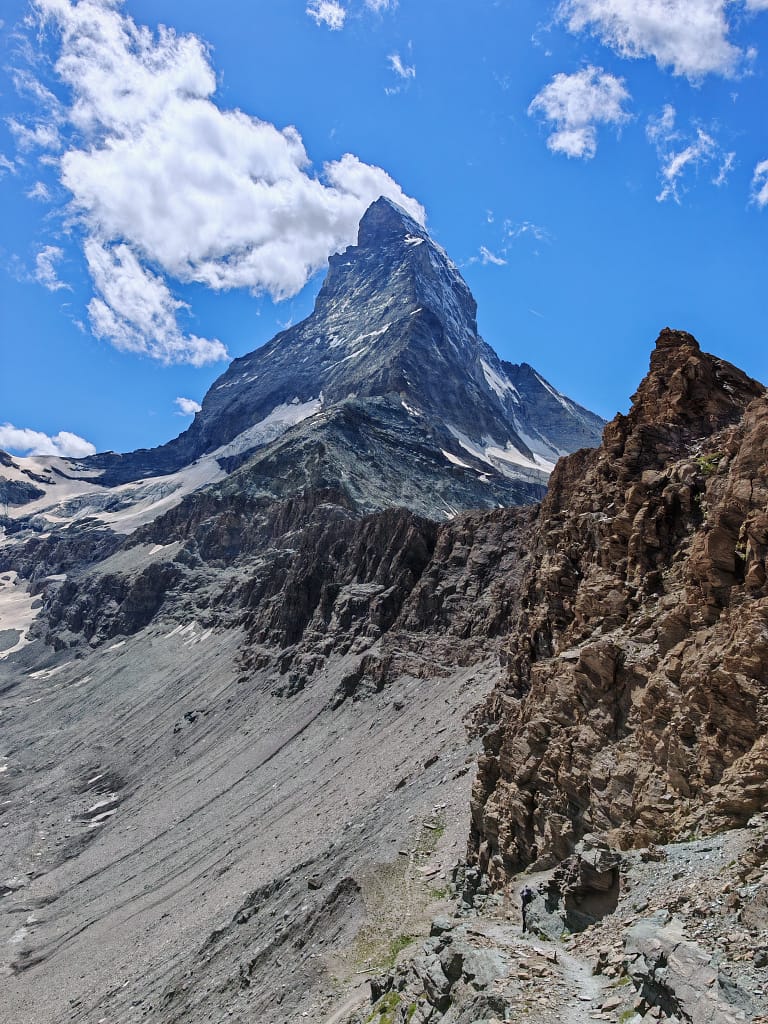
<point x="636" y="699"/>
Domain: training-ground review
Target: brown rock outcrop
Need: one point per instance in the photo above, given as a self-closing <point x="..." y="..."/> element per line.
<point x="636" y="703"/>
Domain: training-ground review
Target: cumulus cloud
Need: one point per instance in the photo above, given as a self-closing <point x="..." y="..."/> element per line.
<point x="135" y="311"/>
<point x="327" y="12"/>
<point x="760" y="184"/>
<point x="45" y="268"/>
<point x="401" y="69"/>
<point x="576" y="104"/>
<point x="23" y="441"/>
<point x="167" y="186"/>
<point x="688" y="36"/>
<point x="6" y="166"/>
<point x="682" y="152"/>
<point x="187" y="406"/>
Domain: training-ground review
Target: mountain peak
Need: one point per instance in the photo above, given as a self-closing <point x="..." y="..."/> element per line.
<point x="394" y="330"/>
<point x="686" y="395"/>
<point x="384" y="222"/>
<point x="691" y="388"/>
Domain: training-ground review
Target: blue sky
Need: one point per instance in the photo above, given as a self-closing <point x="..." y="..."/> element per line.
<point x="597" y="168"/>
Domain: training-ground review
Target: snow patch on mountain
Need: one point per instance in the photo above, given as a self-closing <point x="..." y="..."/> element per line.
<point x="282" y="418"/>
<point x="556" y="395"/>
<point x="18" y="610"/>
<point x="72" y="493"/>
<point x="500" y="385"/>
<point x="452" y="459"/>
<point x="505" y="459"/>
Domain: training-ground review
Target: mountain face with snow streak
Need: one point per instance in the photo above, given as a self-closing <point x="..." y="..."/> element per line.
<point x="390" y="377"/>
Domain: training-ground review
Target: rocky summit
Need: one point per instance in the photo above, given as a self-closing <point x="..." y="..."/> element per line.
<point x="292" y="712"/>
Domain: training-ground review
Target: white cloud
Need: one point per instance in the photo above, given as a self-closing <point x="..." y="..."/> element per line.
<point x="327" y="12"/>
<point x="385" y="5"/>
<point x="27" y="85"/>
<point x="6" y="166"/>
<point x="760" y="184"/>
<point x="486" y="257"/>
<point x="34" y="442"/>
<point x="726" y="166"/>
<point x="136" y="312"/>
<point x="39" y="191"/>
<point x="576" y="104"/>
<point x="701" y="150"/>
<point x="45" y="268"/>
<point x="42" y="135"/>
<point x="167" y="186"/>
<point x="689" y="36"/>
<point x="681" y="152"/>
<point x="662" y="128"/>
<point x="187" y="406"/>
<point x="401" y="69"/>
<point x="527" y="227"/>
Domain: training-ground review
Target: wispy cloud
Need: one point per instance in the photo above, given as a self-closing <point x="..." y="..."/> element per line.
<point x="45" y="268"/>
<point x="576" y="104"/>
<point x="401" y="69"/>
<point x="760" y="184"/>
<point x="683" y="151"/>
<point x="40" y="135"/>
<point x="24" y="441"/>
<point x="39" y="191"/>
<point x="527" y="228"/>
<point x="486" y="257"/>
<point x="327" y="12"/>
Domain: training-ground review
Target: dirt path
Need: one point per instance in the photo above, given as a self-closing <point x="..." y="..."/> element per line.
<point x="355" y="1000"/>
<point x="582" y="991"/>
<point x="545" y="979"/>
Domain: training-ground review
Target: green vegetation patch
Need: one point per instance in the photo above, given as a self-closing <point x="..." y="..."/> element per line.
<point x="384" y="1011"/>
<point x="708" y="463"/>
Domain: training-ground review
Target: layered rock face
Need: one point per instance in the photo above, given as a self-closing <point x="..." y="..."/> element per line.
<point x="635" y="700"/>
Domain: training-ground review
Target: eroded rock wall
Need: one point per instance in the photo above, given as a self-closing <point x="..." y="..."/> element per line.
<point x="636" y="701"/>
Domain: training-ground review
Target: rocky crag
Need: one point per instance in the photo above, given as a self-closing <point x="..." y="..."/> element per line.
<point x="634" y="704"/>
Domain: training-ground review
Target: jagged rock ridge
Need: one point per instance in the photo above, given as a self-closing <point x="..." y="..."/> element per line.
<point x="634" y="705"/>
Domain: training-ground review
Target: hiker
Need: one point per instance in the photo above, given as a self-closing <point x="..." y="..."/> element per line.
<point x="526" y="897"/>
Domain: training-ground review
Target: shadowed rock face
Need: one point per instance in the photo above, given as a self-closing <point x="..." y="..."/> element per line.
<point x="635" y="700"/>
